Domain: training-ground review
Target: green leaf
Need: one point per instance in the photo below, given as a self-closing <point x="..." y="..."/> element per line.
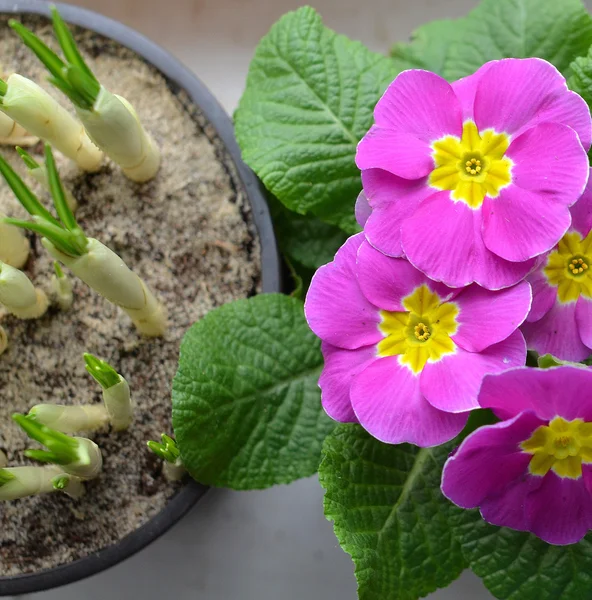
<point x="305" y="239"/>
<point x="581" y="78"/>
<point x="519" y="566"/>
<point x="309" y="99"/>
<point x="389" y="514"/>
<point x="246" y="405"/>
<point x="429" y="46"/>
<point x="555" y="31"/>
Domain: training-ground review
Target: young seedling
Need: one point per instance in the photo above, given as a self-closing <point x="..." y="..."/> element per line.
<point x="14" y="246"/>
<point x="110" y="120"/>
<point x="117" y="408"/>
<point x="20" y="482"/>
<point x="61" y="288"/>
<point x="40" y="114"/>
<point x="3" y="346"/>
<point x="75" y="455"/>
<point x="39" y="173"/>
<point x="69" y="484"/>
<point x="116" y="392"/>
<point x="168" y="450"/>
<point x="96" y="265"/>
<point x="70" y="419"/>
<point x="19" y="296"/>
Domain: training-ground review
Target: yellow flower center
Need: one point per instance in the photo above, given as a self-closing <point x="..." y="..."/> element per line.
<point x="561" y="446"/>
<point x="473" y="166"/>
<point x="421" y="332"/>
<point x="568" y="267"/>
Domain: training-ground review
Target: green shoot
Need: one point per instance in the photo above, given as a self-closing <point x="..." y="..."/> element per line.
<point x="102" y="372"/>
<point x="73" y="77"/>
<point x="29" y="161"/>
<point x="67" y="43"/>
<point x="57" y="191"/>
<point x="24" y="195"/>
<point x="61" y="449"/>
<point x="58" y="269"/>
<point x="167" y="450"/>
<point x="66" y="235"/>
<point x="5" y="477"/>
<point x="60" y="482"/>
<point x="3" y="89"/>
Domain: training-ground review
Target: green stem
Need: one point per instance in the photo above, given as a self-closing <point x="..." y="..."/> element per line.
<point x="74" y="78"/>
<point x="61" y="449"/>
<point x="102" y="372"/>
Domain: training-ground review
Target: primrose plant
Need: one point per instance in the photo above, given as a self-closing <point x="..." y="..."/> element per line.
<point x="434" y="207"/>
<point x="106" y="124"/>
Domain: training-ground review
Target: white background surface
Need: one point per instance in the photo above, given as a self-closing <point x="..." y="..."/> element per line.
<point x="260" y="545"/>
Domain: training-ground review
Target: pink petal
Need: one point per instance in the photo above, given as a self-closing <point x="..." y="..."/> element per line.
<point x="584" y="320"/>
<point x="385" y="281"/>
<point x="443" y="239"/>
<point x="519" y="224"/>
<point x="549" y="160"/>
<point x="506" y="508"/>
<point x="488" y="317"/>
<point x="581" y="212"/>
<point x="466" y="89"/>
<point x="399" y="153"/>
<point x="341" y="366"/>
<point x="335" y="308"/>
<point x="392" y="200"/>
<point x="452" y="383"/>
<point x="560" y="510"/>
<point x="517" y="94"/>
<point x="557" y="334"/>
<point x="561" y="391"/>
<point x="420" y="103"/>
<point x="488" y="461"/>
<point x="362" y="209"/>
<point x="387" y="400"/>
<point x="544" y="296"/>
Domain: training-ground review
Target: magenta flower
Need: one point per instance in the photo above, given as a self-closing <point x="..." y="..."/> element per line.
<point x="405" y="356"/>
<point x="560" y="320"/>
<point x="533" y="471"/>
<point x="472" y="180"/>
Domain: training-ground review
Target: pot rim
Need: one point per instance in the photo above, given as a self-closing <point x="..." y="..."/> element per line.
<point x="182" y="78"/>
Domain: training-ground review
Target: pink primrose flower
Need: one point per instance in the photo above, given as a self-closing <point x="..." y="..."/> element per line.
<point x="532" y="471"/>
<point x="560" y="320"/>
<point x="404" y="355"/>
<point x="472" y="180"/>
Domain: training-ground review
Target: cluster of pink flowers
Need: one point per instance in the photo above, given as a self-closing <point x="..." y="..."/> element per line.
<point x="476" y="245"/>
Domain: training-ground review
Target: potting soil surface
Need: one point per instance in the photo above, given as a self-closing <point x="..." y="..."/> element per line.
<point x="188" y="233"/>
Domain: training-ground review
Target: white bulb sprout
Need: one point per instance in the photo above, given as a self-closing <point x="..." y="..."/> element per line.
<point x="76" y="456"/>
<point x="61" y="288"/>
<point x="39" y="173"/>
<point x="13" y="134"/>
<point x="91" y="261"/>
<point x="110" y="120"/>
<point x="14" y="246"/>
<point x="20" y="482"/>
<point x="116" y="392"/>
<point x="19" y="296"/>
<point x="70" y="419"/>
<point x="167" y="449"/>
<point x="42" y="115"/>
<point x="117" y="407"/>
